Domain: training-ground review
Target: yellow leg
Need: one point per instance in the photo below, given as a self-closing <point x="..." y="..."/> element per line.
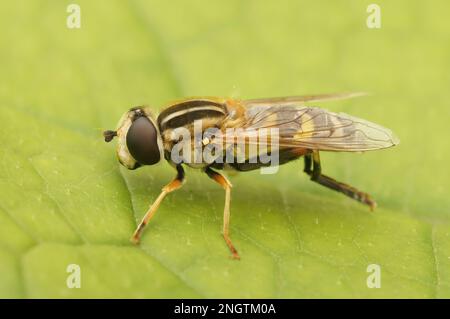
<point x="225" y="183"/>
<point x="172" y="186"/>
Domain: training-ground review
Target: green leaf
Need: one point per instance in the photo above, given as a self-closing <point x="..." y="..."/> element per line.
<point x="66" y="200"/>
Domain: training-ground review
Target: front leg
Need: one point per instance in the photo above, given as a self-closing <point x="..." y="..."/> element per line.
<point x="225" y="183"/>
<point x="172" y="186"/>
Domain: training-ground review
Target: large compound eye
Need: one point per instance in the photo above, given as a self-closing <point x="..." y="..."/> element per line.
<point x="142" y="141"/>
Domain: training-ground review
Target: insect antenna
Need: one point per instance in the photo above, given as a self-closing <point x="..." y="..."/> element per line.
<point x="109" y="135"/>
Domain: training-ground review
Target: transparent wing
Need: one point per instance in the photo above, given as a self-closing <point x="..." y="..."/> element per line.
<point x="317" y="129"/>
<point x="300" y="100"/>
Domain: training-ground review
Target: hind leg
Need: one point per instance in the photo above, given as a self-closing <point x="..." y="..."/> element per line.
<point x="316" y="175"/>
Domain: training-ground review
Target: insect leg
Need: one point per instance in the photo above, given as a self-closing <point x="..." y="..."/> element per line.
<point x="223" y="181"/>
<point x="175" y="184"/>
<point x="308" y="164"/>
<point x="318" y="177"/>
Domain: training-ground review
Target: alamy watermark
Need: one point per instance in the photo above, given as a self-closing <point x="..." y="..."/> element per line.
<point x="374" y="19"/>
<point x="74" y="18"/>
<point x="74" y="279"/>
<point x="232" y="146"/>
<point x="374" y="279"/>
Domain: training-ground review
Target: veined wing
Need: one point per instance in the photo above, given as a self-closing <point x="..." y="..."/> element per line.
<point x="302" y="99"/>
<point x="317" y="129"/>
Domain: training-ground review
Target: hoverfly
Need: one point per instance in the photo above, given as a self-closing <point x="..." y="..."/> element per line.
<point x="302" y="131"/>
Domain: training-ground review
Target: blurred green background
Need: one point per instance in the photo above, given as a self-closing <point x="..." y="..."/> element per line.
<point x="65" y="200"/>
